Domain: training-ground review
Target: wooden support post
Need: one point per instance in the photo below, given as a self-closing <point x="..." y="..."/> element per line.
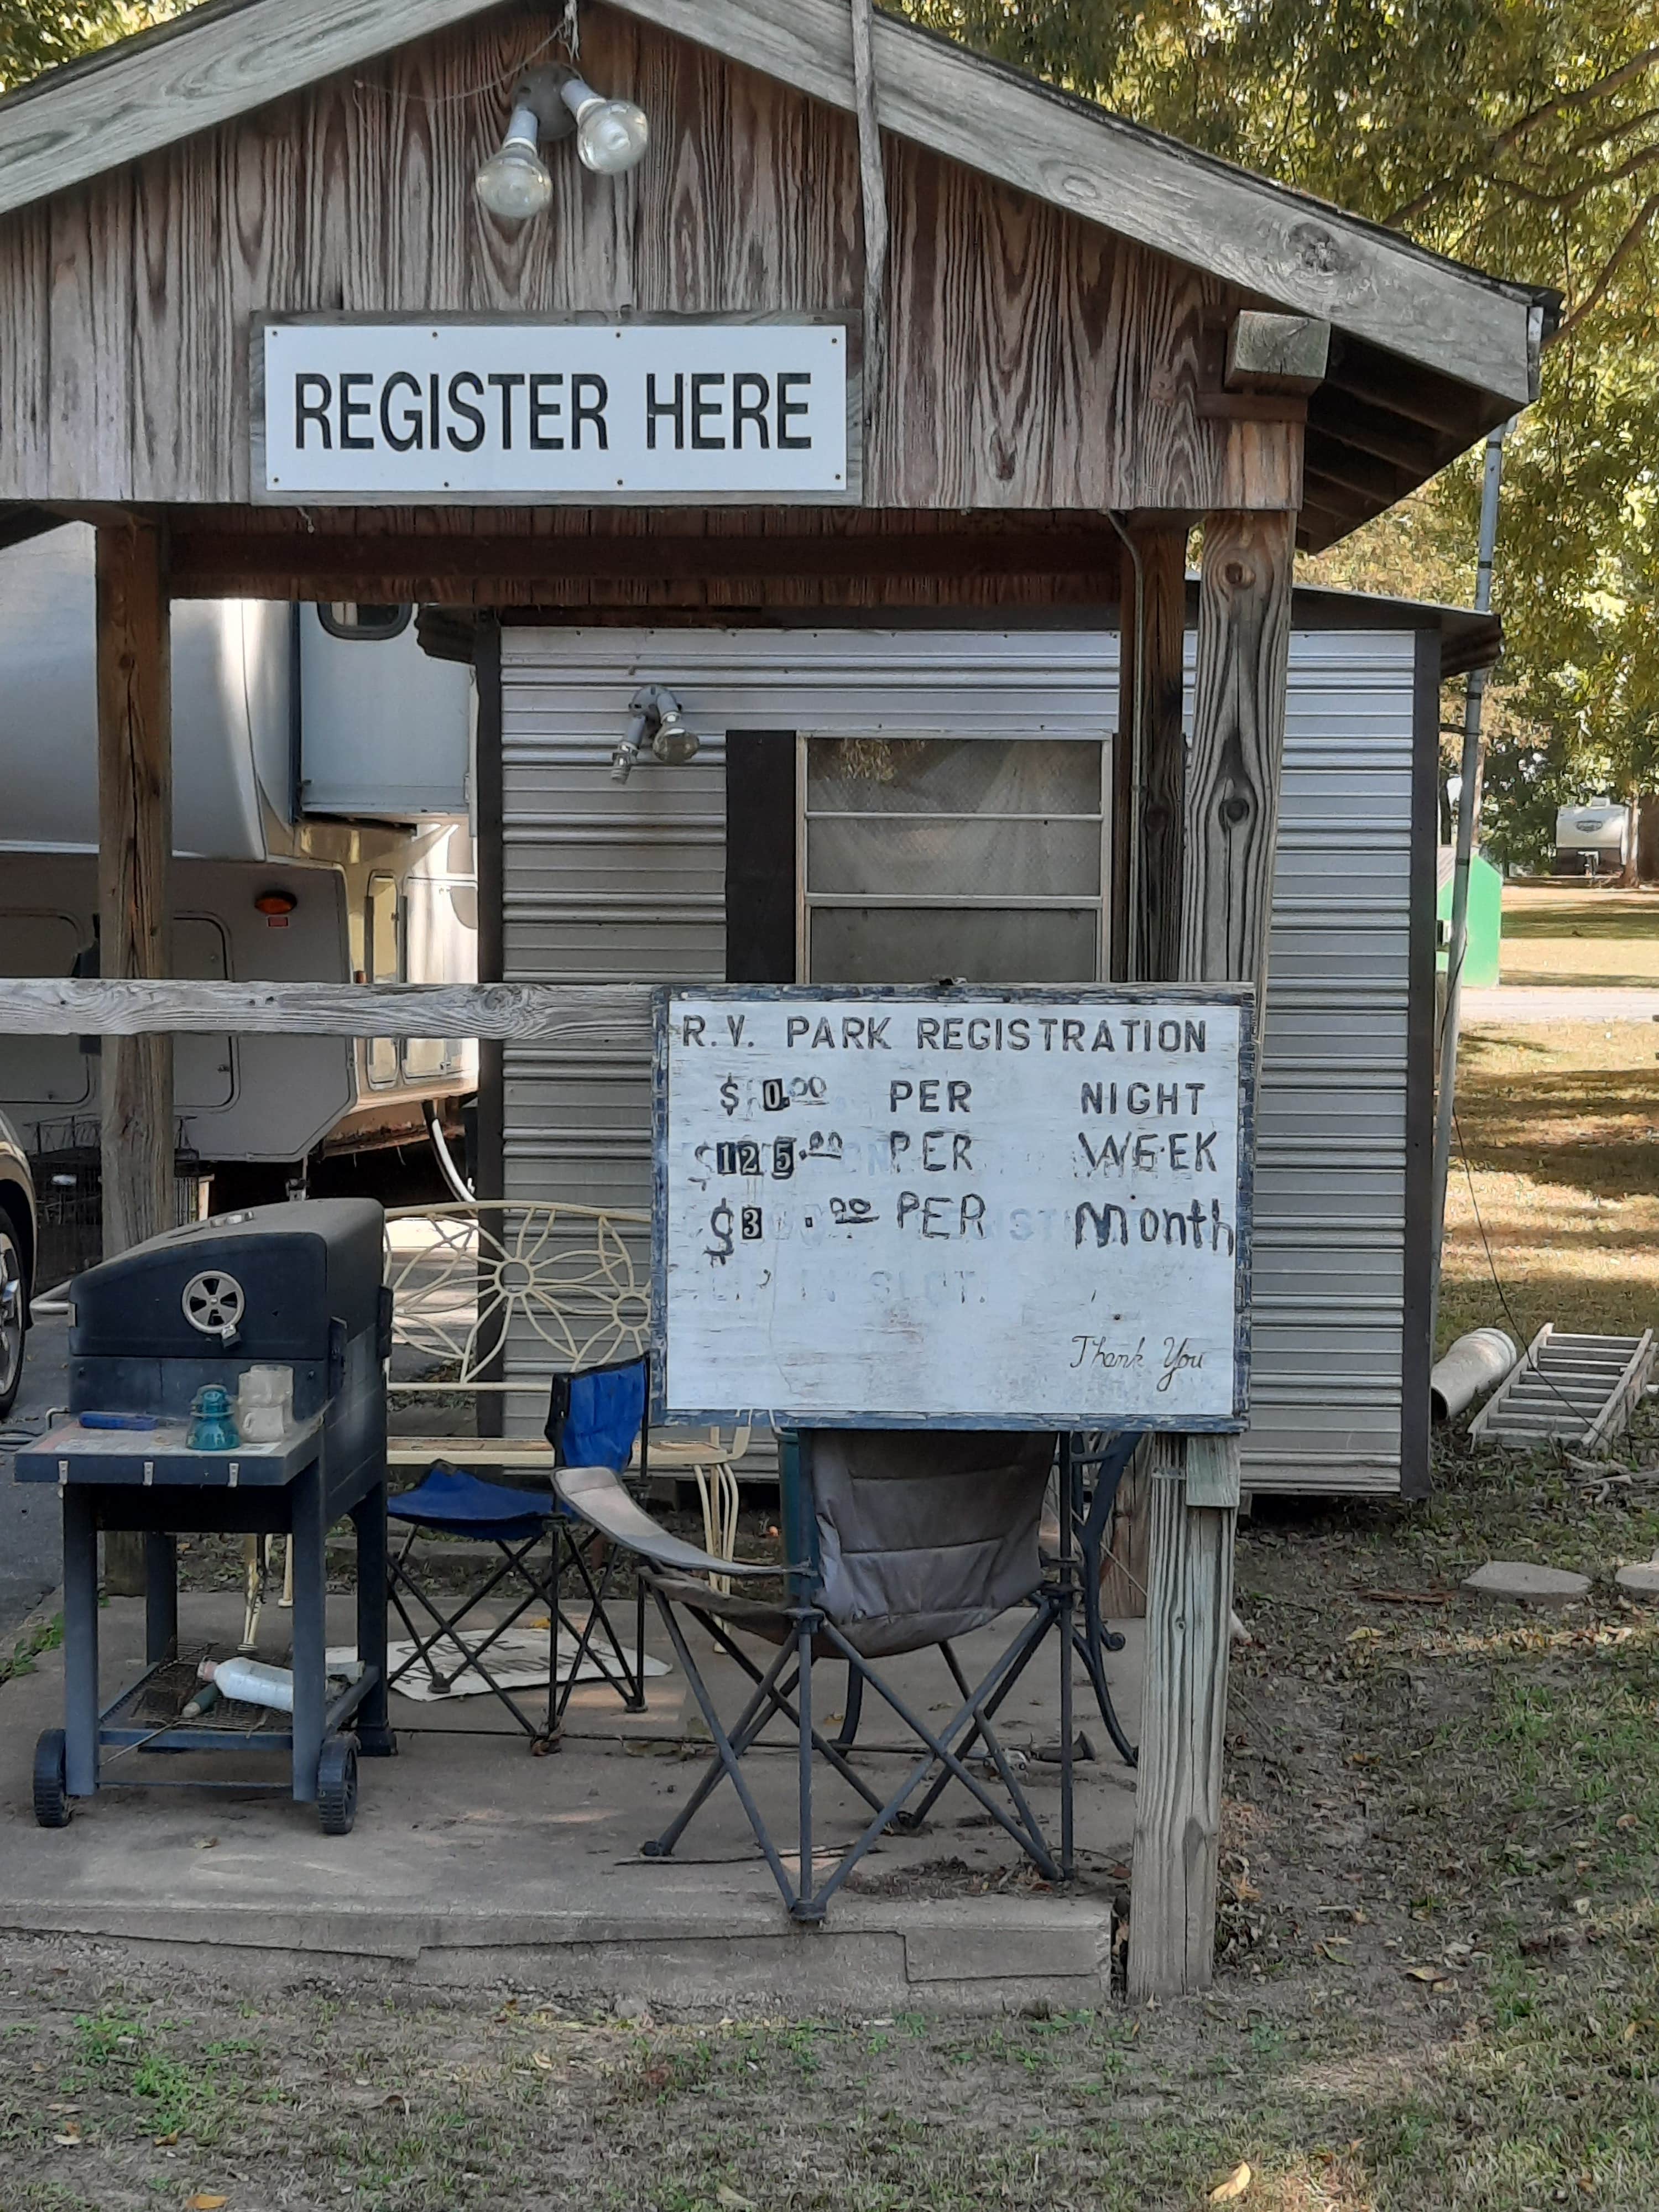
<point x="1148" y="817"/>
<point x="1231" y="822"/>
<point x="135" y="855"/>
<point x="1150" y="777"/>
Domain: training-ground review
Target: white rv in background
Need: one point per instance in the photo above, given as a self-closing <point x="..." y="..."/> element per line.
<point x="320" y="807"/>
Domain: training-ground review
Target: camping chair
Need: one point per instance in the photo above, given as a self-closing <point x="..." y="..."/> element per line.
<point x="1092" y="1466"/>
<point x="602" y="1410"/>
<point x="869" y="1578"/>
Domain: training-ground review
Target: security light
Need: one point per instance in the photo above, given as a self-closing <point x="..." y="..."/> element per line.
<point x="612" y="134"/>
<point x="515" y="183"/>
<point x="655" y="710"/>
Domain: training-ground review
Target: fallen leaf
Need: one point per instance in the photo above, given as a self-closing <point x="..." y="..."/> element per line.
<point x="543" y="2059"/>
<point x="167" y="2140"/>
<point x="732" y="2200"/>
<point x="1424" y="1973"/>
<point x="70" y="2138"/>
<point x="396" y="2102"/>
<point x="203" y="2202"/>
<point x="1229" y="2191"/>
<point x="206" y="1842"/>
<point x="1627" y="1821"/>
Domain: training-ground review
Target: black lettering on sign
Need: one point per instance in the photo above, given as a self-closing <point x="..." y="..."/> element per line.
<point x="589" y="398"/>
<point x="655" y="407"/>
<point x="507" y="381"/>
<point x="545" y="408"/>
<point x="404" y="431"/>
<point x="353" y="410"/>
<point x="789" y="409"/>
<point x="704" y="409"/>
<point x="311" y="395"/>
<point x="750" y="411"/>
<point x="469" y="414"/>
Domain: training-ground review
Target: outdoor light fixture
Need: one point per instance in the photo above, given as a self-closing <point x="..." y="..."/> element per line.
<point x="515" y="183"/>
<point x="654" y="724"/>
<point x="612" y="134"/>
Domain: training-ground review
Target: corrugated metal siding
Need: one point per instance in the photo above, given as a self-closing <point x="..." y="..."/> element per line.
<point x="609" y="883"/>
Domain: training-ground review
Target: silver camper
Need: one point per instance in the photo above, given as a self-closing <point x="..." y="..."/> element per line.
<point x="321" y="824"/>
<point x="1593" y="839"/>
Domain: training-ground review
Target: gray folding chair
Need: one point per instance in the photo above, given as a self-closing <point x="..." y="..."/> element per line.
<point x="897" y="1541"/>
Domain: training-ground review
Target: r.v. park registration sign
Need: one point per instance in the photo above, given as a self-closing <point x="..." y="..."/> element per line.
<point x="889" y="1207"/>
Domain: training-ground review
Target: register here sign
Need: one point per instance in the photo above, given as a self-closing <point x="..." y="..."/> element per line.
<point x="544" y="411"/>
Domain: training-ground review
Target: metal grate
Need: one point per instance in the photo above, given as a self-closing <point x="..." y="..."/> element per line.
<point x="1578" y="1390"/>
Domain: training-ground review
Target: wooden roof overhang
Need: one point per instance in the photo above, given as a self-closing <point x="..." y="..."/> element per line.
<point x="1425" y="354"/>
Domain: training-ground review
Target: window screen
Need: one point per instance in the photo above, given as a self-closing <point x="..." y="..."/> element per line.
<point x="934" y="857"/>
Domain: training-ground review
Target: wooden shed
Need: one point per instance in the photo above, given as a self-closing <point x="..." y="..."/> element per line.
<point x="877" y="336"/>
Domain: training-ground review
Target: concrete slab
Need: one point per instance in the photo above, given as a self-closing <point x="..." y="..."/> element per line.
<point x="1526" y="1584"/>
<point x="1640" y="1578"/>
<point x="473" y="1863"/>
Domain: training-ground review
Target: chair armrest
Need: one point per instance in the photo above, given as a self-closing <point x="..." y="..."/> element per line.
<point x="600" y="1498"/>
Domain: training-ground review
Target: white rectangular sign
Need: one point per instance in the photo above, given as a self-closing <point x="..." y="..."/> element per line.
<point x="885" y="1207"/>
<point x="549" y="411"/>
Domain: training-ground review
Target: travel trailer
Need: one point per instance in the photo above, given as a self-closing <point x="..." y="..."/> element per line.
<point x="321" y="794"/>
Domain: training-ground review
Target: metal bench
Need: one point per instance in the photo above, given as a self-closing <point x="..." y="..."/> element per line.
<point x="544" y="1289"/>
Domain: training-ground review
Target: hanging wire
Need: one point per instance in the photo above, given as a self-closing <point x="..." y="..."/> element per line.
<point x="567" y="35"/>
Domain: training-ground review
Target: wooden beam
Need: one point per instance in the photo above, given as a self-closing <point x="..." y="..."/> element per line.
<point x="330" y="564"/>
<point x="1287" y="248"/>
<point x="1277" y="352"/>
<point x="1149" y="760"/>
<point x="134" y="859"/>
<point x="560" y="1013"/>
<point x="1233" y="774"/>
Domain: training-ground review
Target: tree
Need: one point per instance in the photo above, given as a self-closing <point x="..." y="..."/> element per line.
<point x="38" y="34"/>
<point x="1519" y="135"/>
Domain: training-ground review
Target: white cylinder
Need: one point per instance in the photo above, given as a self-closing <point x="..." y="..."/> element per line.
<point x="251" y="1682"/>
<point x="1477" y="1362"/>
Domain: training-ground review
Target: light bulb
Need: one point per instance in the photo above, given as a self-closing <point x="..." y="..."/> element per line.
<point x="612" y="134"/>
<point x="673" y="743"/>
<point x="612" y="137"/>
<point x="515" y="183"/>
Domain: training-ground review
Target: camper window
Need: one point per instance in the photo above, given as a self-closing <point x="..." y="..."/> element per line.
<point x="356" y="621"/>
<point x="925" y="857"/>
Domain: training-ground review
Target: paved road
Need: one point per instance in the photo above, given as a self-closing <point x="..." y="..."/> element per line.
<point x="30" y="1545"/>
<point x="1521" y="1003"/>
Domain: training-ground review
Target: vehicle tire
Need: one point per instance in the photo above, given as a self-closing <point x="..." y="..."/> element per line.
<point x="336" y="1785"/>
<point x="51" y="1804"/>
<point x="14" y="1304"/>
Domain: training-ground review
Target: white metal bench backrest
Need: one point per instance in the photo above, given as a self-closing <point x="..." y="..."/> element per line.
<point x="466" y="1277"/>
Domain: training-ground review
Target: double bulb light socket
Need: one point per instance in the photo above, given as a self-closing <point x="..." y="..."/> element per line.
<point x="611" y="136"/>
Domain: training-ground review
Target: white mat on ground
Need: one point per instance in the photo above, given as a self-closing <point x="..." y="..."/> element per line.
<point x="517" y="1659"/>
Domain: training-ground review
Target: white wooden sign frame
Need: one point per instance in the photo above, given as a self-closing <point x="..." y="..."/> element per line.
<point x="1216" y="1404"/>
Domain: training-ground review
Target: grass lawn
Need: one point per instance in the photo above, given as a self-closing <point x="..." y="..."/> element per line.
<point x="1437" y="1985"/>
<point x="1560" y="1127"/>
<point x="1567" y="935"/>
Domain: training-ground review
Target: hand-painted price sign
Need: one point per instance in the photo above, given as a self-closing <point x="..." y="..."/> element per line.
<point x="888" y="1207"/>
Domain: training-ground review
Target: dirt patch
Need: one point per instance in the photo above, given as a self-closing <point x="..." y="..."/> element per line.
<point x="1437" y="1982"/>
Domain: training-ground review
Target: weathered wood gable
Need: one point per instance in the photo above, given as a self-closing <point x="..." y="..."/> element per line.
<point x="1037" y="360"/>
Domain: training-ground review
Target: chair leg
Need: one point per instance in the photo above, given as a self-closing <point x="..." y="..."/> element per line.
<point x="728" y="1757"/>
<point x="808" y="1906"/>
<point x="852" y="1710"/>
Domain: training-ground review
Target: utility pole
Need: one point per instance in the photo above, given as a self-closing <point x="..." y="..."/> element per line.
<point x="1469" y="815"/>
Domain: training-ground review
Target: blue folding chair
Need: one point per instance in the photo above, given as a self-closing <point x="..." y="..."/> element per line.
<point x="594" y="1418"/>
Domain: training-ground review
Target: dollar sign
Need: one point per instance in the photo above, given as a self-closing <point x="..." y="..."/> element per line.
<point x="720" y="1222"/>
<point x="729" y="1094"/>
